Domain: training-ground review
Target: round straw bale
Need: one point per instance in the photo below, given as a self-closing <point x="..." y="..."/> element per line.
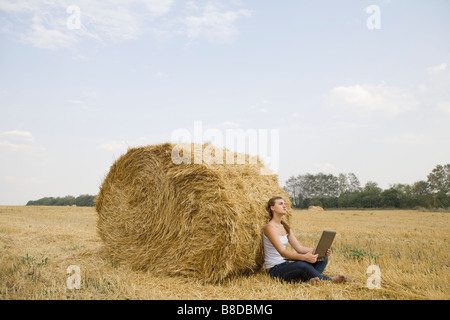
<point x="316" y="208"/>
<point x="200" y="218"/>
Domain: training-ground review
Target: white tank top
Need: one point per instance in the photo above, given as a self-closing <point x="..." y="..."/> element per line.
<point x="271" y="256"/>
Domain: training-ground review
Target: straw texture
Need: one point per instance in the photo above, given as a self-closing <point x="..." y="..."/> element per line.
<point x="202" y="220"/>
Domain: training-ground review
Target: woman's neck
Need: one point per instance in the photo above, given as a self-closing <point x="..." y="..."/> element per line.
<point x="276" y="219"/>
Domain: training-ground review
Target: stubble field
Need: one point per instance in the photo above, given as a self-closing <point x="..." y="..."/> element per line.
<point x="410" y="248"/>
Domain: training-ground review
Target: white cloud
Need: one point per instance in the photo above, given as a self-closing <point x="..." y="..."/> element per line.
<point x="368" y="99"/>
<point x="17" y="133"/>
<point x="444" y="106"/>
<point x="114" y="146"/>
<point x="436" y="92"/>
<point x="16" y="139"/>
<point x="437" y="69"/>
<point x="48" y="38"/>
<point x="191" y="5"/>
<point x="158" y="7"/>
<point x="18" y="5"/>
<point x="162" y="75"/>
<point x="82" y="105"/>
<point x="297" y="115"/>
<point x="262" y="108"/>
<point x="214" y="24"/>
<point x="46" y="21"/>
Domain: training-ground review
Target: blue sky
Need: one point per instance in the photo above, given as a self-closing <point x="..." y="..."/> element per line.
<point x="344" y="97"/>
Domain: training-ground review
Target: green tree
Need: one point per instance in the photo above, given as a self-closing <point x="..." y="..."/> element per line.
<point x="439" y="181"/>
<point x="370" y="195"/>
<point x="390" y="198"/>
<point x="82" y="201"/>
<point x="293" y="189"/>
<point x="85" y="201"/>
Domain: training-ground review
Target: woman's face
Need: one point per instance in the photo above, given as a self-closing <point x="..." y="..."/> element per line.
<point x="279" y="207"/>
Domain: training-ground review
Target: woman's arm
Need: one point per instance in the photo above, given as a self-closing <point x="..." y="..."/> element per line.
<point x="296" y="245"/>
<point x="300" y="249"/>
<point x="272" y="234"/>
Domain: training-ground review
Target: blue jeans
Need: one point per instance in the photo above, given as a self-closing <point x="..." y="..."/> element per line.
<point x="299" y="270"/>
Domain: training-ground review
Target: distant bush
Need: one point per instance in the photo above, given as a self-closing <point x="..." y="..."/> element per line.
<point x="84" y="200"/>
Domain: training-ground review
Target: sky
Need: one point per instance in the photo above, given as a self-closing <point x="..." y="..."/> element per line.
<point x="333" y="86"/>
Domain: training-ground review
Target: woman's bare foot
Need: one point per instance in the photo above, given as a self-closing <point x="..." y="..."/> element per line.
<point x="315" y="280"/>
<point x="339" y="278"/>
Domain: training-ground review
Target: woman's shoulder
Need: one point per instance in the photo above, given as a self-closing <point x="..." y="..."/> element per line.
<point x="270" y="229"/>
<point x="268" y="226"/>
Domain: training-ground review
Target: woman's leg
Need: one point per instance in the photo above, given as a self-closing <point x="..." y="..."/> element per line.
<point x="298" y="271"/>
<point x="320" y="265"/>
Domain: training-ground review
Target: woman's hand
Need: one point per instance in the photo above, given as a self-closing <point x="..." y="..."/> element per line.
<point x="310" y="257"/>
<point x="328" y="253"/>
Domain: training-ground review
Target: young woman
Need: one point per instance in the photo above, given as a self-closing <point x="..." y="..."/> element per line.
<point x="301" y="265"/>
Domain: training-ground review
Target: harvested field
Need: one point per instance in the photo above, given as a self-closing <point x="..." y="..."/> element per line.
<point x="411" y="248"/>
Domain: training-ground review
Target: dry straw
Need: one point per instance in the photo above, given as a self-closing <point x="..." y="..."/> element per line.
<point x="203" y="220"/>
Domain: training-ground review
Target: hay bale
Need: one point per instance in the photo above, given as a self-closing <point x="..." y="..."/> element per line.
<point x="315" y="208"/>
<point x="203" y="220"/>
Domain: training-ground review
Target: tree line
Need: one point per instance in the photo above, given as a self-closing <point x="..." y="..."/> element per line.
<point x="345" y="191"/>
<point x="84" y="200"/>
<point x="330" y="191"/>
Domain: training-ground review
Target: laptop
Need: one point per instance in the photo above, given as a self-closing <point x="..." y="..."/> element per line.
<point x="325" y="241"/>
